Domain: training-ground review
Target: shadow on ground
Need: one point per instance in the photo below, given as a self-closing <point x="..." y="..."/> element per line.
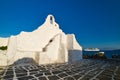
<point x="24" y="60"/>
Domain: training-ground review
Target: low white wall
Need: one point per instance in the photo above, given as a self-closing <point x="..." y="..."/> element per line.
<point x="14" y="55"/>
<point x="3" y="41"/>
<point x="3" y="58"/>
<point x="74" y="49"/>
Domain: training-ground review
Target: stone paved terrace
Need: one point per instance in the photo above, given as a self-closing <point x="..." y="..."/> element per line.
<point x="87" y="69"/>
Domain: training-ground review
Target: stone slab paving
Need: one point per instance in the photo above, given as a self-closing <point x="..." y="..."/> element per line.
<point x="88" y="69"/>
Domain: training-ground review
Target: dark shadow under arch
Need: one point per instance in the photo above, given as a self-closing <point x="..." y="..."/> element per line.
<point x="24" y="60"/>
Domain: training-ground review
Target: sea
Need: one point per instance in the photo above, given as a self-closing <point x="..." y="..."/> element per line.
<point x="107" y="53"/>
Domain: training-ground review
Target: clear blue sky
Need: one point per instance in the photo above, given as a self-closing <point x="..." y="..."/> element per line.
<point x="96" y="23"/>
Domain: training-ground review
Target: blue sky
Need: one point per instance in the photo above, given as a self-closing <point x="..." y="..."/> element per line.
<point x="96" y="23"/>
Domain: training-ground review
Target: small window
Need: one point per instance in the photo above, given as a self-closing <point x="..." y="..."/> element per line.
<point x="51" y="19"/>
<point x="50" y="40"/>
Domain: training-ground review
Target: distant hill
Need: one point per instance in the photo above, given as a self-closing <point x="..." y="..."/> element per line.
<point x="114" y="50"/>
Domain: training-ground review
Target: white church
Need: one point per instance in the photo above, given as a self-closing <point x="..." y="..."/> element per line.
<point x="48" y="44"/>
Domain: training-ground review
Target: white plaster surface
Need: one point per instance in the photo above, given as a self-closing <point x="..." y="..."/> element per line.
<point x="3" y="41"/>
<point x="3" y="58"/>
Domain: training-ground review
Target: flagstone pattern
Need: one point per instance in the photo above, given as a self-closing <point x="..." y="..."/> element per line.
<point x="86" y="69"/>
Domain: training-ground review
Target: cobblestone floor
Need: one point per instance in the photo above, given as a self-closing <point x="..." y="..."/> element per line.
<point x="87" y="69"/>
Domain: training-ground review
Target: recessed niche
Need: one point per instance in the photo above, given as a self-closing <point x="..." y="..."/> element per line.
<point x="51" y="19"/>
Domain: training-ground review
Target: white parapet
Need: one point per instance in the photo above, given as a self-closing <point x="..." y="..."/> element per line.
<point x="3" y="41"/>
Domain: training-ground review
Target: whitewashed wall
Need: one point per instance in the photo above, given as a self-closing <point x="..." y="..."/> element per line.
<point x="45" y="45"/>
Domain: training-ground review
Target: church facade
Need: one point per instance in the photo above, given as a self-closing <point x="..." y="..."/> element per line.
<point x="48" y="44"/>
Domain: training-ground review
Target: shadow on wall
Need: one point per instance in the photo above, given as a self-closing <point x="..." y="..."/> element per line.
<point x="74" y="55"/>
<point x="24" y="60"/>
